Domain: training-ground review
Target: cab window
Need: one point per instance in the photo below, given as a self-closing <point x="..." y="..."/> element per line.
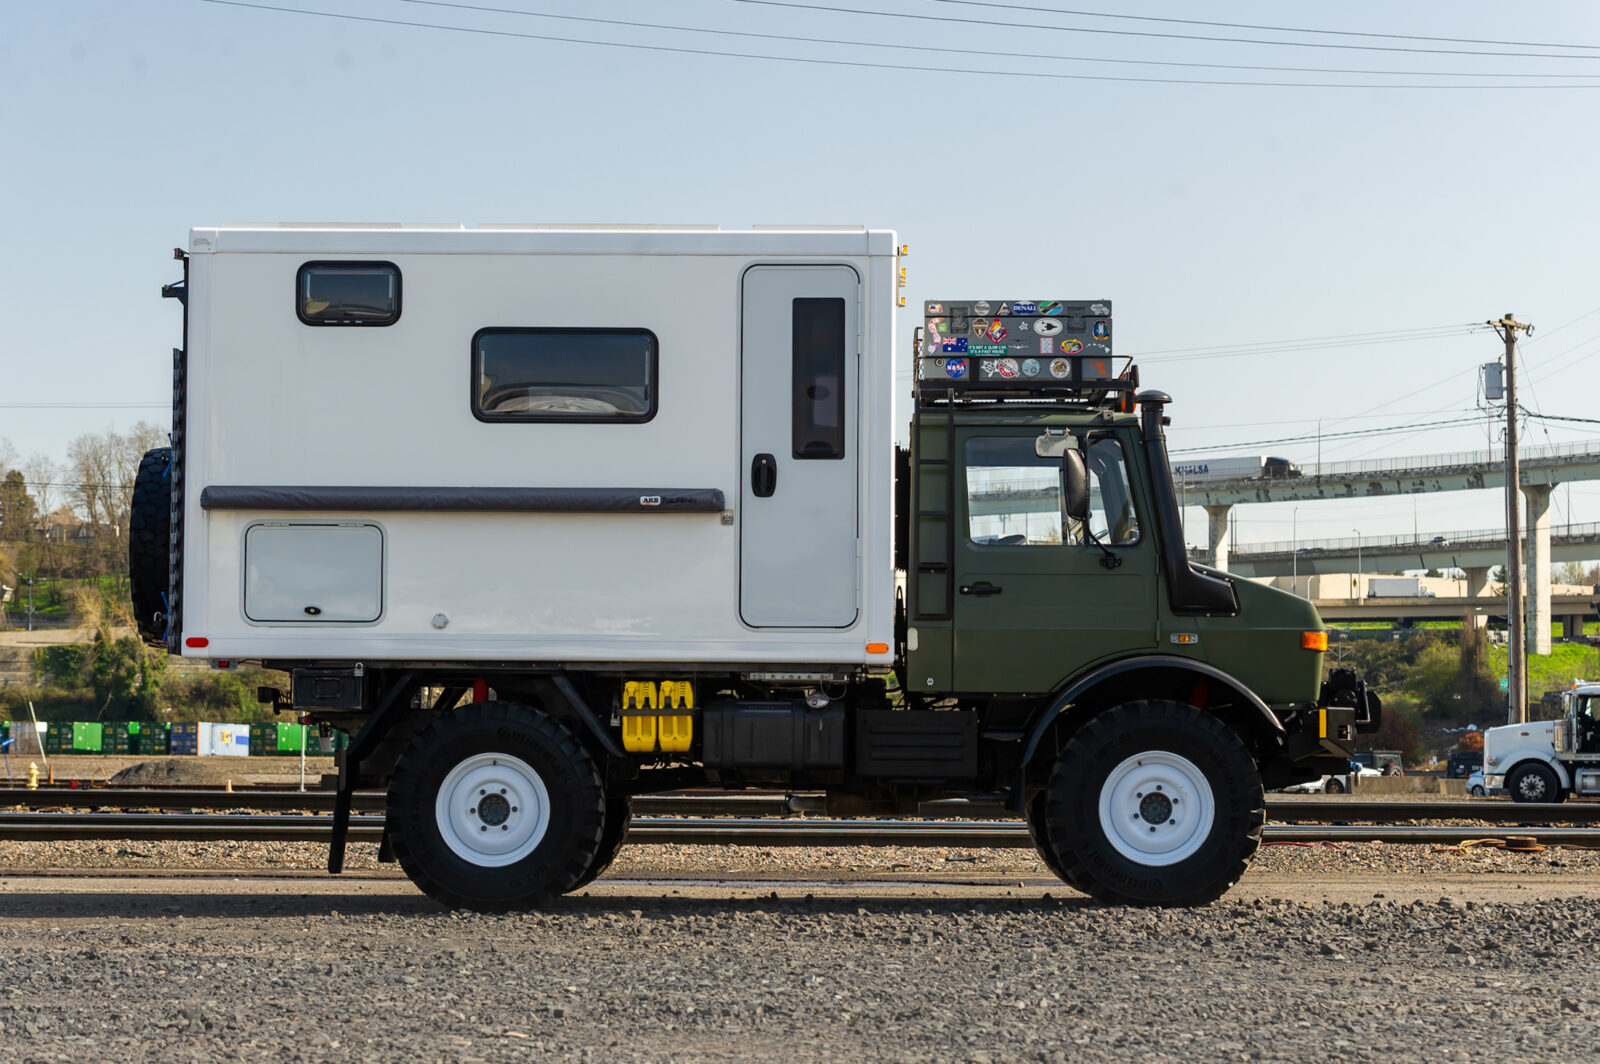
<point x="1014" y="497"/>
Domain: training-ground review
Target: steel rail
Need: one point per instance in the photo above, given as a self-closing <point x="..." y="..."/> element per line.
<point x="731" y="831"/>
<point x="1310" y="810"/>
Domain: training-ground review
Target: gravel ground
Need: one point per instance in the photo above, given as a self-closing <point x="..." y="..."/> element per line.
<point x="1009" y="967"/>
<point x="202" y="974"/>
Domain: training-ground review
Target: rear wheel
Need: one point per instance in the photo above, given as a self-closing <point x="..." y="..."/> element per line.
<point x="495" y="807"/>
<point x="1534" y="782"/>
<point x="1154" y="803"/>
<point x="1333" y="786"/>
<point x="619" y="815"/>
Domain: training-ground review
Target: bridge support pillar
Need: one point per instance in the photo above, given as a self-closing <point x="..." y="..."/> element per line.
<point x="1217" y="525"/>
<point x="1538" y="565"/>
<point x="1572" y="626"/>
<point x="1477" y="581"/>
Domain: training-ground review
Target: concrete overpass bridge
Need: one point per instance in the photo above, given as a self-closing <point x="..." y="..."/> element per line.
<point x="1542" y="468"/>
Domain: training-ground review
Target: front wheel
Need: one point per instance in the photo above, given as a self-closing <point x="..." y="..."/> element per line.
<point x="1154" y="803"/>
<point x="1477" y="792"/>
<point x="1534" y="782"/>
<point x="495" y="807"/>
<point x="1333" y="786"/>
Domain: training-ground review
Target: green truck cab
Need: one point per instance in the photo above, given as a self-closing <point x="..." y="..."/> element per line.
<point x="1133" y="706"/>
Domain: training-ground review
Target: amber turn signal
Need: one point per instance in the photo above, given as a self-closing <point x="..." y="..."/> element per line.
<point x="1314" y="640"/>
<point x="877" y="648"/>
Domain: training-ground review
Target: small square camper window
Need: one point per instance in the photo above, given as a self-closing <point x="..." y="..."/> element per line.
<point x="564" y="375"/>
<point x="348" y="293"/>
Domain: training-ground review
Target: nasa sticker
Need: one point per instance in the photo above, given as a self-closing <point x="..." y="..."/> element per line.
<point x="1060" y="369"/>
<point x="1025" y="307"/>
<point x="1071" y="347"/>
<point x="1047" y="327"/>
<point x="1030" y="367"/>
<point x="955" y="367"/>
<point x="980" y="307"/>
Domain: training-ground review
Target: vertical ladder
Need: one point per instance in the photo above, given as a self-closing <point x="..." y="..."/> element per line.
<point x="946" y="565"/>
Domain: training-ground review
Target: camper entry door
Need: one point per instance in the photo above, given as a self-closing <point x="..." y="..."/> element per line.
<point x="800" y="375"/>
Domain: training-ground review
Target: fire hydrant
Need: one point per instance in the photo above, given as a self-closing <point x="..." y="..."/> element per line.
<point x="33" y="776"/>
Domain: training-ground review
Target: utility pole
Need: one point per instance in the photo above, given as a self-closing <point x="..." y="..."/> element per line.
<point x="1516" y="642"/>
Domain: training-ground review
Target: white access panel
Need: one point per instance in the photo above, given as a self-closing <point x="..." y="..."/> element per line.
<point x="798" y="550"/>
<point x="313" y="573"/>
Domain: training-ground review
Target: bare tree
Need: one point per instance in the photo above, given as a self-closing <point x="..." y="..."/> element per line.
<point x="100" y="471"/>
<point x="8" y="456"/>
<point x="42" y="474"/>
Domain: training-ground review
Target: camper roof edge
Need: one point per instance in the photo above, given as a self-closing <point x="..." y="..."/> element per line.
<point x="391" y="240"/>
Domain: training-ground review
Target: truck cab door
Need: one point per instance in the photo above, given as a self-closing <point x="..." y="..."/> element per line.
<point x="1036" y="600"/>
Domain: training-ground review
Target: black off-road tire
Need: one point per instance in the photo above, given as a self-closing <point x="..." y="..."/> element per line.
<point x="576" y="808"/>
<point x="619" y="816"/>
<point x="1075" y="834"/>
<point x="150" y="542"/>
<point x="1037" y="811"/>
<point x="1534" y="781"/>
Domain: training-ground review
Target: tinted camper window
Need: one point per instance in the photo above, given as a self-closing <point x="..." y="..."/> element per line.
<point x="819" y="367"/>
<point x="348" y="293"/>
<point x="564" y="375"/>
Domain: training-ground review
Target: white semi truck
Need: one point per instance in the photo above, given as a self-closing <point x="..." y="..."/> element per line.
<point x="1547" y="760"/>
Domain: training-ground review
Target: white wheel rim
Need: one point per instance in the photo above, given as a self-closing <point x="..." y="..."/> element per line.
<point x="492" y="810"/>
<point x="1156" y="808"/>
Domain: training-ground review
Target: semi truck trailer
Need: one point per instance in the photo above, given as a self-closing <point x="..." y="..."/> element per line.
<point x="549" y="517"/>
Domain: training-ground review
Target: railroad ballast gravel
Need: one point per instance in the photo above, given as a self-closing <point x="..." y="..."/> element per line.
<point x="204" y="977"/>
<point x="799" y="862"/>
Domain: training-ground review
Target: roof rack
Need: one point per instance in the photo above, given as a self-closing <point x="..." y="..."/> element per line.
<point x="1050" y="351"/>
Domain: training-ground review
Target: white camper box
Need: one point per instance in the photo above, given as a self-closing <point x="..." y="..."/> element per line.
<point x="347" y="495"/>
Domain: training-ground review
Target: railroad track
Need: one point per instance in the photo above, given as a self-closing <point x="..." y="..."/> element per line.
<point x="724" y="831"/>
<point x="1313" y="810"/>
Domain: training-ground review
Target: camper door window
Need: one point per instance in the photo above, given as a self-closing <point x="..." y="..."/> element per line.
<point x="564" y="375"/>
<point x="348" y="293"/>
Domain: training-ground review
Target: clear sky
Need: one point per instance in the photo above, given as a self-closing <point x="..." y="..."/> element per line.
<point x="1215" y="216"/>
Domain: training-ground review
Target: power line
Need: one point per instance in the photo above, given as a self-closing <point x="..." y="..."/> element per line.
<point x="1390" y="429"/>
<point x="1254" y="26"/>
<point x="970" y="51"/>
<point x="864" y="64"/>
<point x="1293" y="346"/>
<point x="86" y="406"/>
<point x="1497" y="54"/>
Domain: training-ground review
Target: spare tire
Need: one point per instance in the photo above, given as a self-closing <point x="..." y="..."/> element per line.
<point x="150" y="543"/>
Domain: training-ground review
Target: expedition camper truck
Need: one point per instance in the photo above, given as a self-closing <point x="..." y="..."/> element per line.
<point x="636" y="491"/>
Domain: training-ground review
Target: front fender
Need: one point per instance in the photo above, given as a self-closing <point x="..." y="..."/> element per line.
<point x="1260" y="712"/>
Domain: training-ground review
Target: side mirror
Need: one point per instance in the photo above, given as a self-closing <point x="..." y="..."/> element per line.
<point x="1055" y="444"/>
<point x="1075" y="473"/>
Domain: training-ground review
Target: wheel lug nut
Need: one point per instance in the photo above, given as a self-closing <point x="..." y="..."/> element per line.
<point x="486" y="828"/>
<point x="502" y="790"/>
<point x="1152" y="827"/>
<point x="1158" y="786"/>
<point x="1138" y="794"/>
<point x="1172" y="821"/>
<point x="513" y="809"/>
<point x="472" y="811"/>
<point x="505" y="827"/>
